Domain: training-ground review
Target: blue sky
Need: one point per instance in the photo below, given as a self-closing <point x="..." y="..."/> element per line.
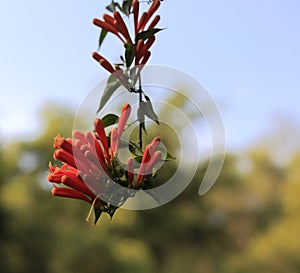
<point x="247" y="53"/>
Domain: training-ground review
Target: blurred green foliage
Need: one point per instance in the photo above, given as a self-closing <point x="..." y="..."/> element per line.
<point x="249" y="221"/>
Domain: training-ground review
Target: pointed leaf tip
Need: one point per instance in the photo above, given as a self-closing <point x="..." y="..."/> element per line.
<point x="102" y="37"/>
<point x="97" y="212"/>
<point x="144" y="35"/>
<point x="112" y="85"/>
<point x="148" y="110"/>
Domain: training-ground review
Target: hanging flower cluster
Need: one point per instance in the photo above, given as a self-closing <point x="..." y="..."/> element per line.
<point x="88" y="166"/>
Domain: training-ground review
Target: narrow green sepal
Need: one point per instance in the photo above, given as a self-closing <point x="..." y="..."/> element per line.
<point x="97" y="211"/>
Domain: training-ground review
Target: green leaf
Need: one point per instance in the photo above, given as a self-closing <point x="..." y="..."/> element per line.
<point x="148" y="110"/>
<point x="109" y="119"/>
<point x="126" y="6"/>
<point x="129" y="54"/>
<point x="111" y="7"/>
<point x="135" y="149"/>
<point x="97" y="212"/>
<point x="111" y="211"/>
<point x="112" y="85"/>
<point x="138" y="159"/>
<point x="144" y="35"/>
<point x="169" y="157"/>
<point x="102" y="37"/>
<point x="141" y="116"/>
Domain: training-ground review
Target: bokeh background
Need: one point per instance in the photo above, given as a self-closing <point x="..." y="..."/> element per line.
<point x="245" y="52"/>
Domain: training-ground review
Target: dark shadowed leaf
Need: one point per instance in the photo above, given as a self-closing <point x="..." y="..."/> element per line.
<point x="109" y="119"/>
<point x="144" y="35"/>
<point x="129" y="54"/>
<point x="138" y="159"/>
<point x="135" y="149"/>
<point x="111" y="211"/>
<point x="112" y="85"/>
<point x="102" y="37"/>
<point x="126" y="6"/>
<point x="97" y="212"/>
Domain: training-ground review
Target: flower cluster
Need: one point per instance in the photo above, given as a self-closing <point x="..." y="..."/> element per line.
<point x="90" y="166"/>
<point x="136" y="49"/>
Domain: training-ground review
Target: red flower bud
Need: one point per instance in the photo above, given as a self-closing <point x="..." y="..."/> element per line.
<point x="135" y="8"/>
<point x="154" y="22"/>
<point x="142" y="22"/>
<point x="106" y="26"/>
<point x="106" y="64"/>
<point x="114" y="141"/>
<point x="153" y="8"/>
<point x="69" y="193"/>
<point x="146" y="58"/>
<point x="121" y="27"/>
<point x="126" y="110"/>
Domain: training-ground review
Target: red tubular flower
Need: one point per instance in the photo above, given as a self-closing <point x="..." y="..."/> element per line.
<point x="139" y="51"/>
<point x="126" y="110"/>
<point x="109" y="19"/>
<point x="154" y="22"/>
<point x="153" y="8"/>
<point x="103" y="62"/>
<point x="69" y="193"/>
<point x="77" y="184"/>
<point x="146" y="157"/>
<point x="150" y="158"/>
<point x="120" y="25"/>
<point x="157" y="156"/>
<point x="147" y="15"/>
<point x="135" y="8"/>
<point x="65" y="157"/>
<point x="106" y="26"/>
<point x="114" y="141"/>
<point x="142" y="21"/>
<point x="155" y="142"/>
<point x="102" y="136"/>
<point x="145" y="58"/>
<point x="117" y="133"/>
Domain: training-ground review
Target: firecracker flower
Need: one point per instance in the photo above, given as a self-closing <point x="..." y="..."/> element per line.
<point x="89" y="165"/>
<point x="137" y="49"/>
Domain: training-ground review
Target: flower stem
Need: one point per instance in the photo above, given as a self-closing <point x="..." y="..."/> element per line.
<point x="140" y="125"/>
